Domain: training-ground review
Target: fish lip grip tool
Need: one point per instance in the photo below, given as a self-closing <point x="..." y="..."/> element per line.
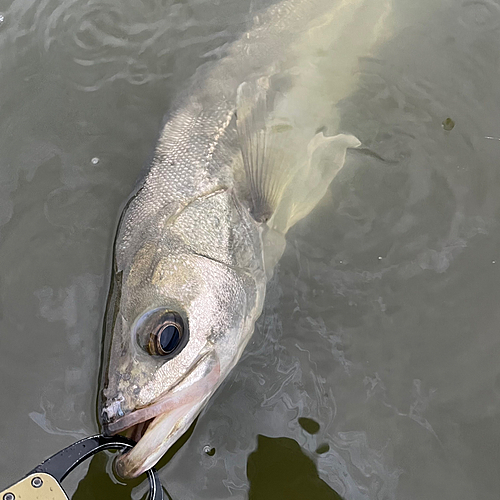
<point x="44" y="481"/>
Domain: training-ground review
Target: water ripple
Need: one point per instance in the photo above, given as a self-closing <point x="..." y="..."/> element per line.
<point x="101" y="41"/>
<point x="480" y="14"/>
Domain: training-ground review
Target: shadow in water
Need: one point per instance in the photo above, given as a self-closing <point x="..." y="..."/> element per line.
<point x="279" y="470"/>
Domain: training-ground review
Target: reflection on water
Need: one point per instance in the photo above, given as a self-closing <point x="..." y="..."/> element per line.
<point x="309" y="425"/>
<point x="381" y="323"/>
<point x="100" y="483"/>
<point x="279" y="470"/>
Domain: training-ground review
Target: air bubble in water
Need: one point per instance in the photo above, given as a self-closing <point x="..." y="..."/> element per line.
<point x="95" y="160"/>
<point x="209" y="451"/>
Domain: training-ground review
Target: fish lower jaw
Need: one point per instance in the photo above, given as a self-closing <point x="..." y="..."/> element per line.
<point x="158" y="435"/>
<point x="157" y="427"/>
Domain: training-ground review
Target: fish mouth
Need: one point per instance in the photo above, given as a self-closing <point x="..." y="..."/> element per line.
<point x="135" y="431"/>
<point x="156" y="427"/>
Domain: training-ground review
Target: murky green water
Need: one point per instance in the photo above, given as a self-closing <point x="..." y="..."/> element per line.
<point x="382" y="321"/>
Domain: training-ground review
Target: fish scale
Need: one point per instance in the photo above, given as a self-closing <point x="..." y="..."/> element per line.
<point x="215" y="228"/>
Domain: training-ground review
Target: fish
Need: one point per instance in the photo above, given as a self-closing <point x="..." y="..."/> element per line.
<point x="248" y="149"/>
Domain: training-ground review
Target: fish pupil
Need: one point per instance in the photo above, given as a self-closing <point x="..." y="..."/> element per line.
<point x="169" y="338"/>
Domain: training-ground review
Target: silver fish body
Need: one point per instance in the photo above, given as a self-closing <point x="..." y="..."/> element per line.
<point x="238" y="162"/>
<point x="186" y="243"/>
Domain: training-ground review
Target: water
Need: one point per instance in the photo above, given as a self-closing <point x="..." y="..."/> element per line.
<point x="381" y="323"/>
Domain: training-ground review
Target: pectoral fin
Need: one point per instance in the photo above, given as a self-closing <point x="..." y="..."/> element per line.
<point x="263" y="147"/>
<point x="287" y="172"/>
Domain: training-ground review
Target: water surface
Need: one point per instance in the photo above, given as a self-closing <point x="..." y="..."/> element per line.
<point x="381" y="322"/>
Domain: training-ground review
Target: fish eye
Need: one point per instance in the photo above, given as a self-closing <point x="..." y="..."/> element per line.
<point x="167" y="336"/>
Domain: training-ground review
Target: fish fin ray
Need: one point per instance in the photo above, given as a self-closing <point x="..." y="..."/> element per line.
<point x="263" y="148"/>
<point x="287" y="170"/>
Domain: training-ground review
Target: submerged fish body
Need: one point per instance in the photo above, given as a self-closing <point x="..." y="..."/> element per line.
<point x="238" y="162"/>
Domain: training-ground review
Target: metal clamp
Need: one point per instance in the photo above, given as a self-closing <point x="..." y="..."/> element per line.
<point x="43" y="482"/>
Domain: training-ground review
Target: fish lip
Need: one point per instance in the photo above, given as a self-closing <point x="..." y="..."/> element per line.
<point x="137" y="417"/>
<point x="149" y="412"/>
<point x="134" y="418"/>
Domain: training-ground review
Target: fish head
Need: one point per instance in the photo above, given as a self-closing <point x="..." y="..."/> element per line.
<point x="176" y="323"/>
